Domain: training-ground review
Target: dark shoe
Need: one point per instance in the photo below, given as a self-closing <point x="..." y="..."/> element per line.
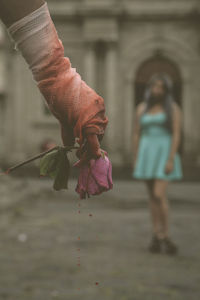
<point x="170" y="247"/>
<point x="155" y="245"/>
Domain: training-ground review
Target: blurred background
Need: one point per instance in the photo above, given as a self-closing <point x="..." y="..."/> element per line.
<point x="116" y="46"/>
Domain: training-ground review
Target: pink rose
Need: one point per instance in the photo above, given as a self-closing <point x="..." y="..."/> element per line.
<point x="95" y="177"/>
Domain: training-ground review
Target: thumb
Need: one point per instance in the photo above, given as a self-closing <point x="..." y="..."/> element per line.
<point x="93" y="146"/>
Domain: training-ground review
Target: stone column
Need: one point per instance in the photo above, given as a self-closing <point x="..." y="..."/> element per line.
<point x="2" y="98"/>
<point x="128" y="120"/>
<point x="111" y="102"/>
<point x="90" y="62"/>
<point x="16" y="110"/>
<point x="3" y="71"/>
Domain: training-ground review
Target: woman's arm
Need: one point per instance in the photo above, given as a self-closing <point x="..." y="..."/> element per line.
<point x="176" y="135"/>
<point x="136" y="131"/>
<point x="176" y="131"/>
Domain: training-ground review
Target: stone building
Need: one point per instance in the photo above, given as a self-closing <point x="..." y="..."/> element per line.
<point x="116" y="45"/>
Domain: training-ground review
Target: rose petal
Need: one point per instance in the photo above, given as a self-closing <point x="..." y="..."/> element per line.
<point x="95" y="177"/>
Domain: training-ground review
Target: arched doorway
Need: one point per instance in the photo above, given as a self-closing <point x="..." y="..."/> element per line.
<point x="157" y="64"/>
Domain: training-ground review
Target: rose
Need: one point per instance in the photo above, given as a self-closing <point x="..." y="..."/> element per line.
<point x="95" y="176"/>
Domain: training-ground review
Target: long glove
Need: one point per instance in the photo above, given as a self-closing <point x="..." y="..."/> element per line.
<point x="79" y="109"/>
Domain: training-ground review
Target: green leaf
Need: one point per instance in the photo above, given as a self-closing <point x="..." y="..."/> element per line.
<point x="62" y="171"/>
<point x="103" y="154"/>
<point x="48" y="163"/>
<point x="56" y="165"/>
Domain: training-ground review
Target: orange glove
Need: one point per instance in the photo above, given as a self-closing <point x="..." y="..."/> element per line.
<point x="78" y="108"/>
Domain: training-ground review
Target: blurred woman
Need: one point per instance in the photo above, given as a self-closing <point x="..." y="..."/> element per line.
<point x="157" y="131"/>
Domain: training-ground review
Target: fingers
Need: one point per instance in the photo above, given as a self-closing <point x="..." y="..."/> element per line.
<point x="91" y="149"/>
<point x="168" y="169"/>
<point x="93" y="146"/>
<point x="67" y="135"/>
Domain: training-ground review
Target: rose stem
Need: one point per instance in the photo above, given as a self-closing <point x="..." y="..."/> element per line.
<point x="38" y="156"/>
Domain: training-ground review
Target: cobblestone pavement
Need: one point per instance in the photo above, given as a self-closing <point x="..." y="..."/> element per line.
<point x="39" y="241"/>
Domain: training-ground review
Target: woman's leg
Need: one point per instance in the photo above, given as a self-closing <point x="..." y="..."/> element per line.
<point x="160" y="197"/>
<point x="154" y="208"/>
<point x="160" y="191"/>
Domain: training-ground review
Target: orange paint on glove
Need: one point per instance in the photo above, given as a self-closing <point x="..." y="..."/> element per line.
<point x="77" y="106"/>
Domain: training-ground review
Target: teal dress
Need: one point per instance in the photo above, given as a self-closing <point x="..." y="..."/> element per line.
<point x="154" y="148"/>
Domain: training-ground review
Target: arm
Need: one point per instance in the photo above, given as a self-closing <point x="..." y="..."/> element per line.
<point x="176" y="135"/>
<point x="176" y="131"/>
<point x="79" y="109"/>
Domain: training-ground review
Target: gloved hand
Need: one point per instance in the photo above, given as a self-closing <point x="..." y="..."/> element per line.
<point x="94" y="150"/>
<point x="79" y="109"/>
<point x="90" y="150"/>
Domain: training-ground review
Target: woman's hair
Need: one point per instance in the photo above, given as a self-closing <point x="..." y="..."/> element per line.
<point x="168" y="97"/>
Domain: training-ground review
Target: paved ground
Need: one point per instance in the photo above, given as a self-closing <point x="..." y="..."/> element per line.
<point x="39" y="244"/>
